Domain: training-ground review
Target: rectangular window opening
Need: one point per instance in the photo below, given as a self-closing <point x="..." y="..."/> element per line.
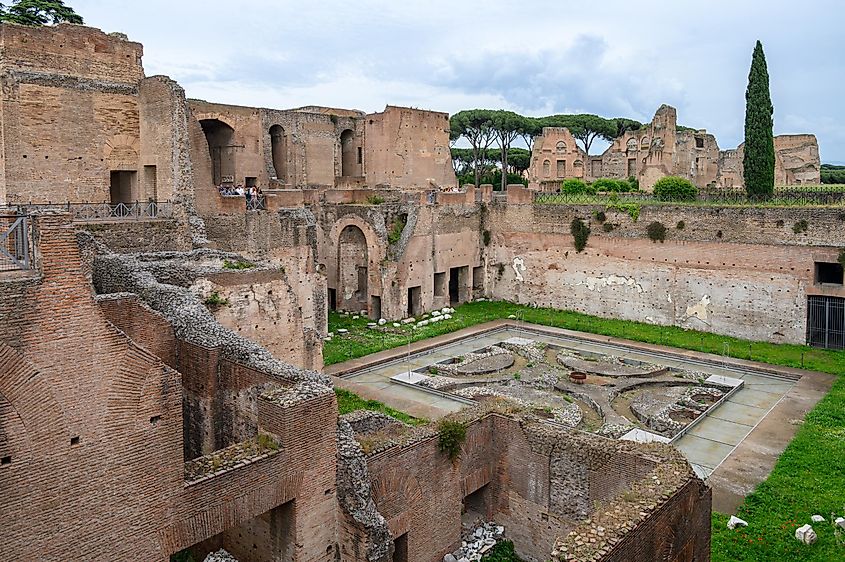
<point x="74" y="440"/>
<point x="829" y="273"/>
<point x="6" y="460"/>
<point x="440" y="284"/>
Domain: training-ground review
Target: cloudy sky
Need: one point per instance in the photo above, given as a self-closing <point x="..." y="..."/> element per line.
<point x="613" y="58"/>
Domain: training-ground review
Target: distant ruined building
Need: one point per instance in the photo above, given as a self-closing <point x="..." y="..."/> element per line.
<point x="661" y="149"/>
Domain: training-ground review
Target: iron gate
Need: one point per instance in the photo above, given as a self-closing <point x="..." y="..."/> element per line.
<point x="826" y="322"/>
<point x="14" y="242"/>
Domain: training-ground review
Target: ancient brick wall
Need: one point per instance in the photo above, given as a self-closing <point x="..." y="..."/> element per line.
<point x="129" y="236"/>
<point x="740" y="272"/>
<point x="408" y="148"/>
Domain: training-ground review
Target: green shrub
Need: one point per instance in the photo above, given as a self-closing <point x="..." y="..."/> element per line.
<point x="608" y="184"/>
<point x="681" y="225"/>
<point x="632" y="209"/>
<point x="452" y="435"/>
<point x="214" y="300"/>
<point x="485" y="237"/>
<point x="608" y="227"/>
<point x="186" y="556"/>
<point x="239" y="264"/>
<point x="656" y="231"/>
<point x="634" y="183"/>
<point x="375" y="199"/>
<point x="800" y="226"/>
<point x="599" y="216"/>
<point x="501" y="552"/>
<point x="580" y="232"/>
<point x="574" y="186"/>
<point x="673" y="188"/>
<point x="396" y="229"/>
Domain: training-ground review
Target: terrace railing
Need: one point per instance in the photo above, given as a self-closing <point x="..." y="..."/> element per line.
<point x="15" y="248"/>
<point x="138" y="210"/>
<point x="256" y="203"/>
<point x="788" y="196"/>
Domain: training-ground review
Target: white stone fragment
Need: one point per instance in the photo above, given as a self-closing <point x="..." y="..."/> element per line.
<point x="409" y="320"/>
<point x="840" y="522"/>
<point x="397" y="325"/>
<point x="447" y="317"/>
<point x="435" y="313"/>
<point x="817" y="519"/>
<point x="364" y="312"/>
<point x="449" y="558"/>
<point x="805" y="534"/>
<point x="342" y="331"/>
<point x="382" y="321"/>
<point x="512" y="316"/>
<point x="423" y="323"/>
<point x="356" y="317"/>
<point x="445" y="310"/>
<point x="735" y="522"/>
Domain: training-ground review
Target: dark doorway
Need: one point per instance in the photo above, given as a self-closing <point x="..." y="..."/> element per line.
<point x="352" y="272"/>
<point x="828" y="273"/>
<point x="219" y="136"/>
<point x="121" y="186"/>
<point x="454" y="286"/>
<point x="475" y="504"/>
<point x="361" y="293"/>
<point x="414" y="304"/>
<point x="400" y="548"/>
<point x="826" y="322"/>
<point x="279" y="151"/>
<point x="375" y="307"/>
<point x="440" y="284"/>
<point x="348" y="153"/>
<point x="332" y="299"/>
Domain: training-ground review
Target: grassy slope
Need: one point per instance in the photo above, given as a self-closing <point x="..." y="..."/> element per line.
<point x="809" y="477"/>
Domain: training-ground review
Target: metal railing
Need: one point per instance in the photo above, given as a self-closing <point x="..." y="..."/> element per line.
<point x="256" y="203"/>
<point x="138" y="210"/>
<point x="15" y="246"/>
<point x="786" y="196"/>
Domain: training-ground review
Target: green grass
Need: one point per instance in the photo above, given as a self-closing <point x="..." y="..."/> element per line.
<point x="362" y="341"/>
<point x="350" y="402"/>
<point x="809" y="478"/>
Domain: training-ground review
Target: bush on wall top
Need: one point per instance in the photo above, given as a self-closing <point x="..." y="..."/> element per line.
<point x="574" y="186"/>
<point x="673" y="188"/>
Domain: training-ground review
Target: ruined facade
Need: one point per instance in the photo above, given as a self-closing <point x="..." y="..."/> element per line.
<point x="661" y="149"/>
<point x="179" y="372"/>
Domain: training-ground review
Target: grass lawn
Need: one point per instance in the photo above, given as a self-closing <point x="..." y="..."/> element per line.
<point x="809" y="478"/>
<point x="349" y="402"/>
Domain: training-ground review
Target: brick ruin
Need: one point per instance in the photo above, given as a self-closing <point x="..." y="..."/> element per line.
<point x="140" y="418"/>
<point x="661" y="148"/>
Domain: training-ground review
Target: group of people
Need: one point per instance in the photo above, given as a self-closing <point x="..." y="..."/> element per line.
<point x="248" y="192"/>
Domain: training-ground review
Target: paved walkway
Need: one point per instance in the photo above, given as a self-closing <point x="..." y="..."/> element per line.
<point x="734" y="447"/>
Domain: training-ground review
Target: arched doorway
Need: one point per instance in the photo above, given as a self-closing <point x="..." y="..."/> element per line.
<point x="279" y="151"/>
<point x="348" y="166"/>
<point x="219" y="136"/>
<point x="352" y="269"/>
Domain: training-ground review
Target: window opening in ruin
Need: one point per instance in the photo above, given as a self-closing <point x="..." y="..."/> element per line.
<point x="121" y="186"/>
<point x="220" y="136"/>
<point x="414" y="303"/>
<point x="347" y="153"/>
<point x="279" y="151"/>
<point x="632" y="167"/>
<point x="352" y="273"/>
<point x="154" y="420"/>
<point x="375" y="307"/>
<point x="332" y="299"/>
<point x="477" y="281"/>
<point x="400" y="548"/>
<point x="475" y="504"/>
<point x="826" y="322"/>
<point x="74" y="440"/>
<point x="150" y="183"/>
<point x="699" y="142"/>
<point x="547" y="168"/>
<point x="561" y="168"/>
<point x="6" y="460"/>
<point x="251" y="182"/>
<point x="829" y="273"/>
<point x="457" y="279"/>
<point x="596" y="164"/>
<point x="440" y="284"/>
<point x="361" y="293"/>
<point x="360" y="155"/>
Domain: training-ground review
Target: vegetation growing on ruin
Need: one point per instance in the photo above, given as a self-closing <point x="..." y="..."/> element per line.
<point x="214" y="300"/>
<point x="375" y="199"/>
<point x="600" y="216"/>
<point x="485" y="237"/>
<point x="631" y="209"/>
<point x="451" y="436"/>
<point x="800" y="226"/>
<point x="758" y="162"/>
<point x="580" y="233"/>
<point x="183" y="556"/>
<point x="808" y="479"/>
<point x="656" y="231"/>
<point x="674" y="188"/>
<point x="503" y="551"/>
<point x="608" y="227"/>
<point x="574" y="186"/>
<point x="237" y="264"/>
<point x="681" y="225"/>
<point x="348" y="402"/>
<point x="396" y="229"/>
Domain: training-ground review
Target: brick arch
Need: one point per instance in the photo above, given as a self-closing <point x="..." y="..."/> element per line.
<point x="375" y="251"/>
<point x="138" y="378"/>
<point x="122" y="152"/>
<point x="394" y="493"/>
<point x="214" y="115"/>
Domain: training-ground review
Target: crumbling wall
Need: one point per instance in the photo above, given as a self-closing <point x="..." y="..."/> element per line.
<point x="408" y="149"/>
<point x="739" y="272"/>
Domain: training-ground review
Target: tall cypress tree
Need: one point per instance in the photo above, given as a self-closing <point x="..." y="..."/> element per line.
<point x="759" y="158"/>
